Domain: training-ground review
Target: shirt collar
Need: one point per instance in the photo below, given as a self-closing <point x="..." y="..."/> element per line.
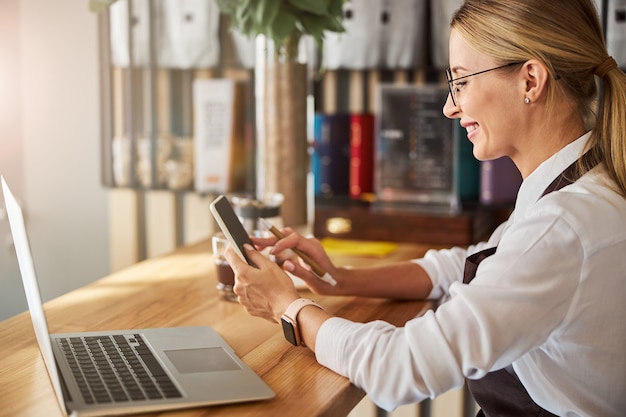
<point x="535" y="184"/>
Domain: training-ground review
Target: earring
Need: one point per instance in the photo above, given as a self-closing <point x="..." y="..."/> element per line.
<point x="526" y="100"/>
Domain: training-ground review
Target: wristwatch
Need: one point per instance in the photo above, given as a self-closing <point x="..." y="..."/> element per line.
<point x="289" y="320"/>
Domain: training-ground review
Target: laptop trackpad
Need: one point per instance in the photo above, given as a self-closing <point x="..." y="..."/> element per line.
<point x="214" y="359"/>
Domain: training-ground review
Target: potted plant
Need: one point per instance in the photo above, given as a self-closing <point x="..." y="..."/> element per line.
<point x="285" y="21"/>
<point x="282" y="161"/>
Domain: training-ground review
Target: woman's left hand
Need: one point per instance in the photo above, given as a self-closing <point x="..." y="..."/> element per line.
<point x="265" y="291"/>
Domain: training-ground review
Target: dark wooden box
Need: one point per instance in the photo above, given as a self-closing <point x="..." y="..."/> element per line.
<point x="359" y="220"/>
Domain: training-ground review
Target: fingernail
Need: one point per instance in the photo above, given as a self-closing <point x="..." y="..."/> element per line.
<point x="248" y="246"/>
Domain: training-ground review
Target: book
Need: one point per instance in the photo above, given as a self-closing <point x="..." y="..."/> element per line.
<point x="499" y="181"/>
<point x="361" y="155"/>
<point x="220" y="136"/>
<point x="331" y="155"/>
<point x="468" y="167"/>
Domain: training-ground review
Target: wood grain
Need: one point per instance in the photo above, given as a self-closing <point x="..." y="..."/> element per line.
<point x="178" y="289"/>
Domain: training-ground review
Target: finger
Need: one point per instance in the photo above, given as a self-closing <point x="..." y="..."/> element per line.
<point x="255" y="256"/>
<point x="287" y="242"/>
<point x="263" y="242"/>
<point x="236" y="263"/>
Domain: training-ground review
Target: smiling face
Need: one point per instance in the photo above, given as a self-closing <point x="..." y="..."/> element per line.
<point x="489" y="105"/>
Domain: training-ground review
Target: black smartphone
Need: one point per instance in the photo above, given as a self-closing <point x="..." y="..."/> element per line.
<point x="231" y="226"/>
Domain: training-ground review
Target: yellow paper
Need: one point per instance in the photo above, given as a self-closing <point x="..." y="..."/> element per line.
<point x="357" y="247"/>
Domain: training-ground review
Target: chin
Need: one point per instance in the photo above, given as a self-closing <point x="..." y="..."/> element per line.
<point x="483" y="154"/>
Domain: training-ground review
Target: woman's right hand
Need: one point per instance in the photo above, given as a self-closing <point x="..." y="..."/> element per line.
<point x="290" y="262"/>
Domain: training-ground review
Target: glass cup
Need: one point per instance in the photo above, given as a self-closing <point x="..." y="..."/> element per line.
<point x="249" y="210"/>
<point x="225" y="274"/>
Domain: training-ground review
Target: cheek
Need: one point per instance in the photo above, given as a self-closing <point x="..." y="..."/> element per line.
<point x="498" y="129"/>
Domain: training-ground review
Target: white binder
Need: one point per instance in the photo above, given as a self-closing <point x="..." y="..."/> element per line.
<point x="191" y="34"/>
<point x="441" y="15"/>
<point x="403" y="32"/>
<point x="139" y="32"/>
<point x="359" y="46"/>
<point x="616" y="31"/>
<point x="185" y="33"/>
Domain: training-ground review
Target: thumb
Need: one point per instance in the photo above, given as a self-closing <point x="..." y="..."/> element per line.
<point x="254" y="256"/>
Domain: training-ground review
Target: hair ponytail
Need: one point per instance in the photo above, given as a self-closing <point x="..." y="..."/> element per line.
<point x="609" y="135"/>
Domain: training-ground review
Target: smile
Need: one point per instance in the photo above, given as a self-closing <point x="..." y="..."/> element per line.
<point x="471" y="128"/>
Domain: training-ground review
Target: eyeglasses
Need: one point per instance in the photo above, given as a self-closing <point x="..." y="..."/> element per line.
<point x="456" y="88"/>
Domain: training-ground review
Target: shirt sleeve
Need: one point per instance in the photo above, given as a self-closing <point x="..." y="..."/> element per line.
<point x="387" y="361"/>
<point x="445" y="266"/>
<point x="518" y="297"/>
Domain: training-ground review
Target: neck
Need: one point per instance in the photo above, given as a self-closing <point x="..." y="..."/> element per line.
<point x="547" y="138"/>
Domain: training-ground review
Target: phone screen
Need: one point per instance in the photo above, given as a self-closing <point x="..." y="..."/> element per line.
<point x="230" y="225"/>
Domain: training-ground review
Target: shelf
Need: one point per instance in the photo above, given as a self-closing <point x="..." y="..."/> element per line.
<point x="359" y="220"/>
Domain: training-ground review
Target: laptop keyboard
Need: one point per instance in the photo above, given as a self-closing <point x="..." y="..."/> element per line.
<point x="116" y="369"/>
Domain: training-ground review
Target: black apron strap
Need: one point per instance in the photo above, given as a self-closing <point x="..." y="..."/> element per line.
<point x="472" y="262"/>
<point x="567" y="177"/>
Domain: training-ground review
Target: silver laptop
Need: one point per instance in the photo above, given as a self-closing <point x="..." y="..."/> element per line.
<point x="132" y="371"/>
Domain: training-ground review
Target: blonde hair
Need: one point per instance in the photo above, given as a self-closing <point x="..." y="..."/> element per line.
<point x="566" y="36"/>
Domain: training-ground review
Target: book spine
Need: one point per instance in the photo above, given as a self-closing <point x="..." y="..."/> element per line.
<point x="468" y="169"/>
<point x="499" y="181"/>
<point x="361" y="155"/>
<point x="331" y="154"/>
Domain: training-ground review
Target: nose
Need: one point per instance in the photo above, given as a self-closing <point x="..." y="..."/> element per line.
<point x="450" y="110"/>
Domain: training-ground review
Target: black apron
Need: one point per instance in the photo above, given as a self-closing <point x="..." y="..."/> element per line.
<point x="499" y="393"/>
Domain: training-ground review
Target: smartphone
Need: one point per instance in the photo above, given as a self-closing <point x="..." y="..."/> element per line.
<point x="230" y="225"/>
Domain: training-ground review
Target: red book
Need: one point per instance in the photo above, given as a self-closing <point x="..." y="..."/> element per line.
<point x="361" y="154"/>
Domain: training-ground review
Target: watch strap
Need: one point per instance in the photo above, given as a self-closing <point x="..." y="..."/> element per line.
<point x="294" y="309"/>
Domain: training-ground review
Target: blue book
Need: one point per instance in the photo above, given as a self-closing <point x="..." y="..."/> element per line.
<point x="468" y="167"/>
<point x="331" y="155"/>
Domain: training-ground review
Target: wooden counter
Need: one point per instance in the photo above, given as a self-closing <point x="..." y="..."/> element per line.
<point x="179" y="290"/>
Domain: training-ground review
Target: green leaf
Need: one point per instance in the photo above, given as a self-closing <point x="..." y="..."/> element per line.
<point x="266" y="12"/>
<point x="334" y="24"/>
<point x="245" y="25"/>
<point x="284" y="21"/>
<point x="335" y="8"/>
<point x="98" y="6"/>
<point x="282" y="27"/>
<point x="316" y="7"/>
<point x="227" y="6"/>
<point x="313" y="25"/>
<point x="242" y="12"/>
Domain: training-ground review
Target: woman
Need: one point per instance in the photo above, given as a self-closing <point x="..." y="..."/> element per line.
<point x="538" y="327"/>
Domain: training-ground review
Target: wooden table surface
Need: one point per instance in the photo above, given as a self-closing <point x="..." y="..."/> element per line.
<point x="178" y="289"/>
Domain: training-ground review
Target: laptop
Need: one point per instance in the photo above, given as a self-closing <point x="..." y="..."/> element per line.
<point x="137" y="370"/>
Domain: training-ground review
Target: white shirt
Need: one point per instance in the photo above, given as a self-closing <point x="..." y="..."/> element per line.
<point x="551" y="302"/>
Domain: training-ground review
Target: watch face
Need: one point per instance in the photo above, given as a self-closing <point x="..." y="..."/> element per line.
<point x="289" y="331"/>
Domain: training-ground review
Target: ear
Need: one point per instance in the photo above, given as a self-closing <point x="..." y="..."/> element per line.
<point x="535" y="75"/>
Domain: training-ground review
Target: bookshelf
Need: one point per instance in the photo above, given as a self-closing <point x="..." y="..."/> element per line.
<point x="151" y="104"/>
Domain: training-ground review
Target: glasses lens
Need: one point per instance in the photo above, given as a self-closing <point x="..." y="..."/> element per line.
<point x="449" y="79"/>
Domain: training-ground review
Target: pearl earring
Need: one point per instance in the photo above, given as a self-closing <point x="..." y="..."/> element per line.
<point x="526" y="100"/>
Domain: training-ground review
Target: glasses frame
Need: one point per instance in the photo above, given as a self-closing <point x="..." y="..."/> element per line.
<point x="451" y="80"/>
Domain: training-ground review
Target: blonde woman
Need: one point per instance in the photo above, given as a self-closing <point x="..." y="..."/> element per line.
<point x="534" y="317"/>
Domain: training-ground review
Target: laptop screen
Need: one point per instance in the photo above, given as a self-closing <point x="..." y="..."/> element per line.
<point x="33" y="296"/>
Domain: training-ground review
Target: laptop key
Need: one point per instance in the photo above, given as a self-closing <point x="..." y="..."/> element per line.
<point x="110" y="369"/>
